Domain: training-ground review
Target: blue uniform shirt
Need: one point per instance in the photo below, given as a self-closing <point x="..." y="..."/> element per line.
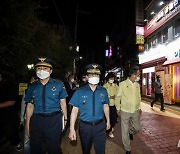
<point x="90" y="103"/>
<point x="46" y="98"/>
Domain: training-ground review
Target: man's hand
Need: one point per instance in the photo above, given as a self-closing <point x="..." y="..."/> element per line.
<point x="72" y="135"/>
<point x="22" y="122"/>
<point x="118" y="112"/>
<point x="108" y="125"/>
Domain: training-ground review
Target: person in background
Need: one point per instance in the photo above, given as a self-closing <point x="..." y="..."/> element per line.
<point x="158" y="93"/>
<point x="70" y="88"/>
<point x="92" y="102"/>
<point x="83" y="81"/>
<point x="23" y="118"/>
<point x="112" y="91"/>
<point x="46" y="106"/>
<point x="128" y="106"/>
<point x="9" y="118"/>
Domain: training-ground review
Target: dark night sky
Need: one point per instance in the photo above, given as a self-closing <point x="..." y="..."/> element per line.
<point x="96" y="19"/>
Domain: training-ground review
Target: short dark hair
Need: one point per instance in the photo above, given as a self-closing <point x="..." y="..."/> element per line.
<point x="133" y="70"/>
<point x="110" y="75"/>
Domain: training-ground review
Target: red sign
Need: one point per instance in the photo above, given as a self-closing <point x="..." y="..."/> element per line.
<point x="167" y="13"/>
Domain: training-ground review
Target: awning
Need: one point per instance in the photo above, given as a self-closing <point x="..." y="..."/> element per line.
<point x="173" y="61"/>
<point x="152" y="63"/>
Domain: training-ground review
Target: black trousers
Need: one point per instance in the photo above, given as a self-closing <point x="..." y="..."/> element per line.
<point x="113" y="116"/>
<point x="93" y="134"/>
<point x="45" y="134"/>
<point x="11" y="131"/>
<point x="157" y="97"/>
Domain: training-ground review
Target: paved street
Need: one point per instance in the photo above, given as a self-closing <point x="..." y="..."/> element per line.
<point x="160" y="134"/>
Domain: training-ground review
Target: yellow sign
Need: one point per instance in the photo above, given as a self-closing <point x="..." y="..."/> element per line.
<point x="22" y="88"/>
<point x="139" y="39"/>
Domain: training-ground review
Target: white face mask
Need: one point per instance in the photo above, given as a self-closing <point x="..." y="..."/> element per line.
<point x="111" y="81"/>
<point x="137" y="79"/>
<point x="93" y="80"/>
<point x="72" y="80"/>
<point x="43" y="74"/>
<point x="84" y="79"/>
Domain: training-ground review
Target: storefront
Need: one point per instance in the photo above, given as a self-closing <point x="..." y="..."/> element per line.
<point x="151" y="64"/>
<point x="163" y="61"/>
<point x="173" y="65"/>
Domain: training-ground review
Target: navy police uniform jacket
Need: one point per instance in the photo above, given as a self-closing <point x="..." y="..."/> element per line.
<point x="46" y="98"/>
<point x="90" y="104"/>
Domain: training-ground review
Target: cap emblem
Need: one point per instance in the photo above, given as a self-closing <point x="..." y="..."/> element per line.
<point x="94" y="66"/>
<point x="42" y="59"/>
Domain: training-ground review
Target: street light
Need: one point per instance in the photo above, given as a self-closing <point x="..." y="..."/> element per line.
<point x="74" y="63"/>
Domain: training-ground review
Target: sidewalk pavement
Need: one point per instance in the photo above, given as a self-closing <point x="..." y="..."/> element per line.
<point x="160" y="134"/>
<point x="175" y="108"/>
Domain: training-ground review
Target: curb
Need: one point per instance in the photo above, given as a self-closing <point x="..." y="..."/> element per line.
<point x="166" y="107"/>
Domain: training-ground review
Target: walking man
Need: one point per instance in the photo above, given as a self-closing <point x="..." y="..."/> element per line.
<point x="92" y="102"/>
<point x="128" y="107"/>
<point x="46" y="100"/>
<point x="158" y="93"/>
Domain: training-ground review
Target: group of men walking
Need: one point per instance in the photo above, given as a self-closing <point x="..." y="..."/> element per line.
<point x="95" y="106"/>
<point x="46" y="106"/>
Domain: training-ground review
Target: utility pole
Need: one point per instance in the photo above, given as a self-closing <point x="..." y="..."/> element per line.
<point x="75" y="30"/>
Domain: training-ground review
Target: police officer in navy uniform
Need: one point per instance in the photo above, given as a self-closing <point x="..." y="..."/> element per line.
<point x="46" y="100"/>
<point x="92" y="102"/>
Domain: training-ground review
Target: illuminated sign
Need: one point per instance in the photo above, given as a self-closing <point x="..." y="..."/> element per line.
<point x="140" y="47"/>
<point x="153" y="53"/>
<point x="148" y="70"/>
<point x="139" y="30"/>
<point x="139" y="39"/>
<point x="169" y="11"/>
<point x="109" y="52"/>
<point x="173" y="49"/>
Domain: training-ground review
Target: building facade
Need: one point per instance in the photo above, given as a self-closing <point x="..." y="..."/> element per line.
<point x="161" y="55"/>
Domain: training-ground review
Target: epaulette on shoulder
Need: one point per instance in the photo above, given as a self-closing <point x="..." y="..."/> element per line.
<point x="82" y="87"/>
<point x="101" y="87"/>
<point x="35" y="82"/>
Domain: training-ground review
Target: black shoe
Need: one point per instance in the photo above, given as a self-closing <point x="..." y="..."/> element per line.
<point x="163" y="110"/>
<point x="131" y="136"/>
<point x="128" y="152"/>
<point x="151" y="105"/>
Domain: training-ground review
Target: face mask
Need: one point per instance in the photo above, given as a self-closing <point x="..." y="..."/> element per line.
<point x="111" y="81"/>
<point x="72" y="80"/>
<point x="43" y="74"/>
<point x="93" y="80"/>
<point x="84" y="79"/>
<point x="137" y="79"/>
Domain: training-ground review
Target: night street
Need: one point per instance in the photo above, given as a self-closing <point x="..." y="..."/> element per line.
<point x="69" y="65"/>
<point x="160" y="133"/>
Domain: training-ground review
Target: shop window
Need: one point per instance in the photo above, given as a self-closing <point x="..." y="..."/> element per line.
<point x="159" y="37"/>
<point x="176" y="82"/>
<point x="177" y="27"/>
<point x="165" y="35"/>
<point x="149" y="43"/>
<point x="154" y="41"/>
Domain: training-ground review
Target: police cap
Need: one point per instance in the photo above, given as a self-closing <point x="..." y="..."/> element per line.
<point x="43" y="61"/>
<point x="93" y="69"/>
